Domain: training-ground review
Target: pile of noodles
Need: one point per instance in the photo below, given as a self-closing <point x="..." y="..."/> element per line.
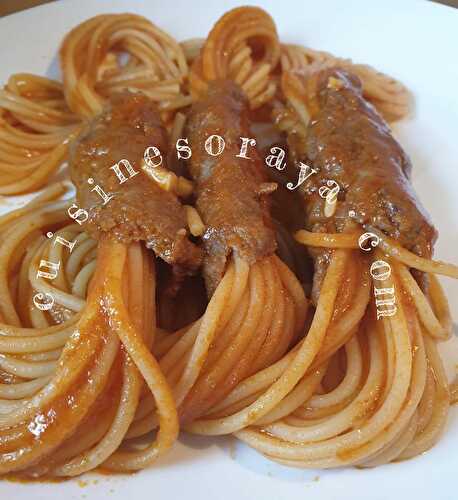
<point x="103" y="378"/>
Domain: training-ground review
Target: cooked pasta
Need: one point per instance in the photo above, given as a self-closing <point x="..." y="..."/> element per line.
<point x="180" y="280"/>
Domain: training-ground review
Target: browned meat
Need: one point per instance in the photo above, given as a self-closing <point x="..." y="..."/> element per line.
<point x="231" y="191"/>
<point x="140" y="209"/>
<point x="349" y="142"/>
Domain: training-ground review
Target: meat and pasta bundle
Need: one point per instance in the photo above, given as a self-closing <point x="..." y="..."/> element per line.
<point x="187" y="273"/>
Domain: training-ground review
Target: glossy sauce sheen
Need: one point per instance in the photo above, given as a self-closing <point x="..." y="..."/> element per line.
<point x="140" y="209"/>
<point x="349" y="142"/>
<point x="231" y="191"/>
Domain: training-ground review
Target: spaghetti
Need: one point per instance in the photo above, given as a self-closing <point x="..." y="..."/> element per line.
<point x="178" y="291"/>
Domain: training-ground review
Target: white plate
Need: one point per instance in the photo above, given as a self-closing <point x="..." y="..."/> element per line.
<point x="416" y="42"/>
